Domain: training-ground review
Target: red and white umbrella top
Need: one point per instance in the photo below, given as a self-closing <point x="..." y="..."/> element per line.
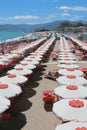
<point x="72" y="126"/>
<point x="71" y="109"/>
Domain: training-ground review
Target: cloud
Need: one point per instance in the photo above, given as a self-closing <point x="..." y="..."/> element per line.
<point x="75" y="8"/>
<point x="65" y="14"/>
<point x="51" y="16"/>
<point x="20" y="17"/>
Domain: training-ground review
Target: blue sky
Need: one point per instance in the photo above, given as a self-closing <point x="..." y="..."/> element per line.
<point x="41" y="11"/>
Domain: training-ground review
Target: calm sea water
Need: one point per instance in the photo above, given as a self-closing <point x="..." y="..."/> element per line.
<point x="4" y="35"/>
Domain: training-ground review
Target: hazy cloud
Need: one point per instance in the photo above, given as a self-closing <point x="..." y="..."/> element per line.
<point x="65" y="14"/>
<point x="20" y="17"/>
<point x="75" y="8"/>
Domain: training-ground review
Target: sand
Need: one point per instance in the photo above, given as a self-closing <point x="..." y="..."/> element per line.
<point x="37" y="117"/>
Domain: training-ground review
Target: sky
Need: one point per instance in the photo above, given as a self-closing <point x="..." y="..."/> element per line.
<point x="41" y="11"/>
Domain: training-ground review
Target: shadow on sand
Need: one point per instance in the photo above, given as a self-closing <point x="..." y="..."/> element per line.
<point x="28" y="92"/>
<point x="14" y="123"/>
<point x="48" y="106"/>
<point x="24" y="104"/>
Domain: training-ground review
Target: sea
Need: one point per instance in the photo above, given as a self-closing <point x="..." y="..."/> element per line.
<point x="5" y="35"/>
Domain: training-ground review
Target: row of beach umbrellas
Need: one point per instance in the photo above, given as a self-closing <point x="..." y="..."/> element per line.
<point x="9" y="59"/>
<point x="10" y="84"/>
<point x="79" y="43"/>
<point x="72" y="92"/>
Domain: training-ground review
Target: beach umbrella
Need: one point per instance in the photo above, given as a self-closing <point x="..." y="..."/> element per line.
<point x="70" y="71"/>
<point x="36" y="54"/>
<point x="4" y="59"/>
<point x="68" y="66"/>
<point x="71" y="91"/>
<point x="13" y="79"/>
<point x="4" y="104"/>
<point x="20" y="71"/>
<point x="66" y="58"/>
<point x="83" y="69"/>
<point x="30" y="61"/>
<point x="65" y="50"/>
<point x="31" y="57"/>
<point x="66" y="54"/>
<point x="10" y="90"/>
<point x="72" y="80"/>
<point x="67" y="61"/>
<point x="72" y="126"/>
<point x="25" y="65"/>
<point x="71" y="109"/>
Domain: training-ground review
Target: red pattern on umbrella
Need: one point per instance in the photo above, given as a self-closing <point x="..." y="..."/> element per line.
<point x="19" y="68"/>
<point x="83" y="69"/>
<point x="67" y="63"/>
<point x="82" y="128"/>
<point x="70" y="69"/>
<point x="3" y="86"/>
<point x="24" y="64"/>
<point x="72" y="87"/>
<point x="71" y="76"/>
<point x="76" y="103"/>
<point x="11" y="76"/>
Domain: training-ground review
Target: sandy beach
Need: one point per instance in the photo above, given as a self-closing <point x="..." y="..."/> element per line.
<point x="33" y="115"/>
<point x="37" y="117"/>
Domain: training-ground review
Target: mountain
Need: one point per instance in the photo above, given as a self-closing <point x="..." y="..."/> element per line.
<point x="31" y="28"/>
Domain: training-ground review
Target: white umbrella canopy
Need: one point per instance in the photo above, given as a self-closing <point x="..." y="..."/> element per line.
<point x="65" y="50"/>
<point x="71" y="109"/>
<point x="32" y="57"/>
<point x="72" y="126"/>
<point x="20" y="71"/>
<point x="70" y="71"/>
<point x="71" y="91"/>
<point x="66" y="58"/>
<point x="36" y="58"/>
<point x="13" y="79"/>
<point x="72" y="80"/>
<point x="9" y="90"/>
<point x="66" y="54"/>
<point x="4" y="104"/>
<point x="30" y="61"/>
<point x="34" y="54"/>
<point x="68" y="66"/>
<point x="67" y="61"/>
<point x="25" y="65"/>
